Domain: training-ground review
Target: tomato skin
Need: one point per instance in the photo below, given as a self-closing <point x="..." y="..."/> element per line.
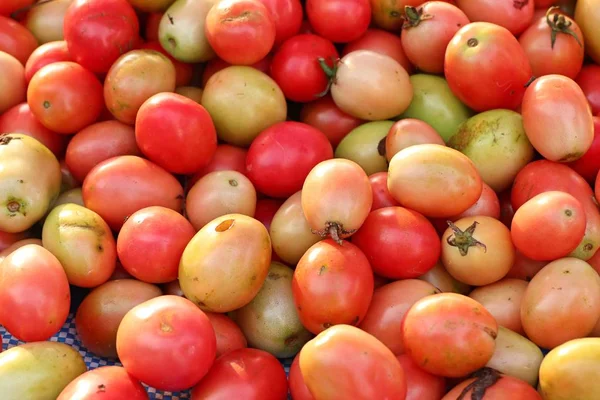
<point x="505" y="387"/>
<point x="399" y="243"/>
<point x="421" y="385"/>
<point x="589" y="81"/>
<point x="287" y="16"/>
<point x="167" y="342"/>
<point x="339" y="293"/>
<point x="298" y="388"/>
<point x="12" y="82"/>
<point x="217" y="64"/>
<point x="513" y="15"/>
<point x="115" y="382"/>
<point x="587" y="16"/>
<point x="183" y="71"/>
<point x="281" y="156"/>
<point x="152" y="23"/>
<point x="589" y="164"/>
<point x="298" y="57"/>
<point x="16" y="40"/>
<point x="381" y="195"/>
<point x="326" y="116"/>
<point x="9" y="6"/>
<point x="340" y="21"/>
<point x="229" y="335"/>
<point x="225" y="158"/>
<point x="46" y="54"/>
<point x="248" y="374"/>
<point x="38" y="315"/>
<point x="58" y="104"/>
<point x="9" y="239"/>
<point x="501" y="82"/>
<point x="381" y="42"/>
<point x="98" y="32"/>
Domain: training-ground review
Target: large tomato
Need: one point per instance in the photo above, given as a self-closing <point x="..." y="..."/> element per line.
<point x="494" y="55"/>
<point x="493" y="386"/>
<point x="46" y="54"/>
<point x="382" y="42"/>
<point x="104" y="383"/>
<point x="514" y="15"/>
<point x="340" y="21"/>
<point x="16" y="40"/>
<point x="327" y="117"/>
<point x="287" y="16"/>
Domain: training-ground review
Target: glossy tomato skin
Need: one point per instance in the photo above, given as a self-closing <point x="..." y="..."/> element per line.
<point x="16" y="40"/>
<point x="176" y="133"/>
<point x="421" y="385"/>
<point x="281" y="157"/>
<point x="225" y="158"/>
<point x="399" y="243"/>
<point x="298" y="388"/>
<point x="248" y="374"/>
<point x="104" y="383"/>
<point x="298" y="58"/>
<point x="382" y="42"/>
<point x="510" y="14"/>
<point x="381" y="195"/>
<point x="97" y="32"/>
<point x="326" y="116"/>
<point x="287" y="16"/>
<point x="46" y="54"/>
<point x="167" y="342"/>
<point x="340" y="21"/>
<point x="217" y="64"/>
<point x="589" y="81"/>
<point x="491" y="53"/>
<point x="332" y="284"/>
<point x="589" y="164"/>
<point x="183" y="71"/>
<point x="12" y="82"/>
<point x="506" y="387"/>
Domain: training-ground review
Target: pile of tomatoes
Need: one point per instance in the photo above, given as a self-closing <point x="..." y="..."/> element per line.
<point x="402" y="196"/>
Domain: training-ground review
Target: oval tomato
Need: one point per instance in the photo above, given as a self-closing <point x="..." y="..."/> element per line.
<point x="47" y="53"/>
<point x="327" y="117"/>
<point x="104" y="383"/>
<point x="12" y="82"/>
<point x="340" y="21"/>
<point x="409" y="132"/>
<point x="514" y="15"/>
<point x="381" y="42"/>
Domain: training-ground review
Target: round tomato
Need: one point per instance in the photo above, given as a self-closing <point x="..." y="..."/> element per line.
<point x="381" y="195"/>
<point x="589" y="81"/>
<point x="183" y="71"/>
<point x="589" y="164"/>
<point x="287" y="16"/>
<point x="381" y="42"/>
<point x="104" y="383"/>
<point x="421" y="385"/>
<point x="217" y="64"/>
<point x="408" y="132"/>
<point x="340" y="21"/>
<point x="47" y="53"/>
<point x="16" y="40"/>
<point x="229" y="335"/>
<point x="225" y="158"/>
<point x="493" y="386"/>
<point x="514" y="15"/>
<point x="503" y="300"/>
<point x="12" y="82"/>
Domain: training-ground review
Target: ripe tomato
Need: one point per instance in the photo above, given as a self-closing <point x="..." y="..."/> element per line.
<point x="58" y="103"/>
<point x="97" y="32"/>
<point x="16" y="40"/>
<point x="399" y="243"/>
<point x="493" y="386"/>
<point x="34" y="294"/>
<point x="332" y="284"/>
<point x="266" y="210"/>
<point x="104" y="383"/>
<point x="299" y="57"/>
<point x="217" y="64"/>
<point x="229" y="335"/>
<point x="12" y="82"/>
<point x="326" y="116"/>
<point x="248" y="374"/>
<point x="503" y="300"/>
<point x="389" y="306"/>
<point x="589" y="81"/>
<point x="340" y="21"/>
<point x="167" y="342"/>
<point x="381" y="42"/>
<point x="408" y="132"/>
<point x="488" y="205"/>
<point x="514" y="15"/>
<point x="152" y="23"/>
<point x="589" y="164"/>
<point x="7" y="240"/>
<point x="421" y="385"/>
<point x="46" y="54"/>
<point x="449" y="334"/>
<point x="225" y="158"/>
<point x="494" y="55"/>
<point x="434" y="23"/>
<point x="524" y="268"/>
<point x="298" y="388"/>
<point x="344" y="362"/>
<point x="381" y="195"/>
<point x="287" y="16"/>
<point x="281" y="157"/>
<point x="183" y="71"/>
<point x="100" y="313"/>
<point x="241" y="32"/>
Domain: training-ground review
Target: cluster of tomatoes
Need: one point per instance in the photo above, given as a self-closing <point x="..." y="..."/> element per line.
<point x="402" y="195"/>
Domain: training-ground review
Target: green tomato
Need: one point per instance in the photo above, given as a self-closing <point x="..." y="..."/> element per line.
<point x="365" y="145"/>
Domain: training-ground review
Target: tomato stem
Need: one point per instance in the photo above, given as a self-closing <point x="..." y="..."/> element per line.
<point x="413" y="16"/>
<point x="330" y="72"/>
<point x="559" y="24"/>
<point x="335" y="231"/>
<point x="484" y="379"/>
<point x="463" y="240"/>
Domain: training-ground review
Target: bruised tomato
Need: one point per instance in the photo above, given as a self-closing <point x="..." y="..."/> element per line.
<point x="497" y="387"/>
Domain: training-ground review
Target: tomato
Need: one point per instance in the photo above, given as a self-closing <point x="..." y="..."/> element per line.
<point x="16" y="40"/>
<point x="408" y="132"/>
<point x="300" y="57"/>
<point x="443" y="281"/>
<point x="101" y="311"/>
<point x="99" y="142"/>
<point x="495" y="56"/>
<point x="46" y="54"/>
<point x="548" y="226"/>
<point x="152" y="23"/>
<point x="389" y="15"/>
<point x="340" y="21"/>
<point x="514" y="15"/>
<point x="389" y="306"/>
<point x="216" y="64"/>
<point x="136" y="183"/>
<point x="12" y="82"/>
<point x="553" y="316"/>
<point x="332" y="284"/>
<point x="46" y="20"/>
<point x="229" y="335"/>
<point x="104" y="383"/>
<point x="34" y="294"/>
<point x="326" y="116"/>
<point x="60" y="105"/>
<point x="399" y="243"/>
<point x="381" y="42"/>
<point x="524" y="268"/>
<point x="336" y="198"/>
<point x="266" y="210"/>
<point x="589" y="81"/>
<point x="421" y="385"/>
<point x="10" y="6"/>
<point x="219" y="193"/>
<point x="453" y="186"/>
<point x="248" y="374"/>
<point x="497" y="387"/>
<point x="381" y="195"/>
<point x="97" y="32"/>
<point x="364" y="146"/>
<point x="587" y="17"/>
<point x="434" y="23"/>
<point x="287" y="16"/>
<point x="183" y="71"/>
<point x="503" y="300"/>
<point x="371" y="86"/>
<point x="488" y="205"/>
<point x="225" y="158"/>
<point x="166" y="342"/>
<point x="17" y="244"/>
<point x="7" y="240"/>
<point x="241" y="32"/>
<point x="344" y="362"/>
<point x="449" y="334"/>
<point x="281" y="156"/>
<point x="298" y="388"/>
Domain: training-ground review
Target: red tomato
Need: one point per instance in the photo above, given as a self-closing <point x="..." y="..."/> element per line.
<point x="176" y="133"/>
<point x="500" y="387"/>
<point x="287" y="16"/>
<point x="494" y="55"/>
<point x="217" y="64"/>
<point x="16" y="40"/>
<point x="12" y="82"/>
<point x="332" y="284"/>
<point x="65" y="97"/>
<point x="298" y="388"/>
<point x="381" y="195"/>
<point x="225" y="158"/>
<point x="104" y="383"/>
<point x="434" y="23"/>
<point x="229" y="335"/>
<point x="281" y="157"/>
<point x="298" y="57"/>
<point x="34" y="294"/>
<point x="409" y="132"/>
<point x="241" y="32"/>
<point x="151" y="242"/>
<point x="8" y="239"/>
<point x="382" y="42"/>
<point x="266" y="209"/>
<point x="399" y="243"/>
<point x="98" y="32"/>
<point x="589" y="81"/>
<point x="46" y="54"/>
<point x="421" y="385"/>
<point x="514" y="15"/>
<point x="167" y="342"/>
<point x="326" y="116"/>
<point x="120" y="186"/>
<point x="554" y="45"/>
<point x="248" y="374"/>
<point x="20" y="119"/>
<point x="589" y="164"/>
<point x="183" y="71"/>
<point x="340" y="21"/>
